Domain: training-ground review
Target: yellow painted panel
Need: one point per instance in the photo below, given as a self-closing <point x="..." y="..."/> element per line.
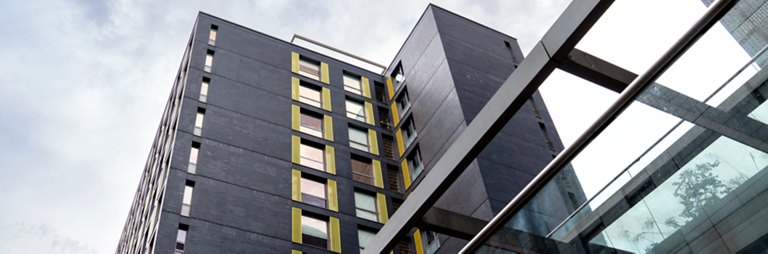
<point x="324" y="73"/>
<point x="295" y="142"/>
<point x="326" y="99"/>
<point x="333" y="200"/>
<point x="369" y="113"/>
<point x="335" y="235"/>
<point x="295" y="117"/>
<point x="373" y="142"/>
<point x="400" y="144"/>
<point x="395" y="114"/>
<point x="328" y="127"/>
<point x="390" y="88"/>
<point x="295" y="225"/>
<point x="377" y="176"/>
<point x="406" y="174"/>
<point x="330" y="160"/>
<point x="296" y="185"/>
<point x="419" y="246"/>
<point x="296" y="252"/>
<point x="295" y="88"/>
<point x="366" y="87"/>
<point x="295" y="62"/>
<point x="381" y="204"/>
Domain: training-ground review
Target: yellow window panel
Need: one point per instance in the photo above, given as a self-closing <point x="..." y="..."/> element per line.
<point x="366" y="87"/>
<point x="295" y="88"/>
<point x="296" y="252"/>
<point x="381" y="204"/>
<point x="296" y="225"/>
<point x="406" y="174"/>
<point x="295" y="62"/>
<point x="333" y="200"/>
<point x="335" y="235"/>
<point x="295" y="117"/>
<point x="377" y="176"/>
<point x="390" y="88"/>
<point x="400" y="144"/>
<point x="295" y="144"/>
<point x="395" y="114"/>
<point x="417" y="242"/>
<point x="296" y="185"/>
<point x="324" y="73"/>
<point x="330" y="160"/>
<point x="328" y="127"/>
<point x="326" y="99"/>
<point x="373" y="142"/>
<point x="369" y="113"/>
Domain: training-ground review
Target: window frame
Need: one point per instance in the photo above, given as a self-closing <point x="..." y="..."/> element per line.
<point x="311" y="146"/>
<point x="358" y="89"/>
<point x="303" y="183"/>
<point x="403" y="103"/>
<point x="356" y="144"/>
<point x="358" y="210"/>
<point x="303" y="98"/>
<point x="204" y="86"/>
<point x="357" y="116"/>
<point x="194" y="157"/>
<point x="305" y="217"/>
<point x="308" y="129"/>
<point x="360" y="243"/>
<point x="414" y="171"/>
<point x="208" y="64"/>
<point x="309" y="63"/>
<point x="212" y="34"/>
<point x="199" y="118"/>
<point x="186" y="199"/>
<point x="359" y="160"/>
<point x="409" y="132"/>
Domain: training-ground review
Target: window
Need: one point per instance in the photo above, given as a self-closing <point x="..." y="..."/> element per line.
<point x="431" y="241"/>
<point x="193" y="153"/>
<point x="414" y="164"/>
<point x="352" y="84"/>
<point x="403" y="103"/>
<point x="208" y="61"/>
<point x="355" y="110"/>
<point x="389" y="147"/>
<point x="362" y="170"/>
<point x="204" y="89"/>
<point x="384" y="118"/>
<point x="181" y="238"/>
<point x="186" y="202"/>
<point x="313" y="192"/>
<point x="364" y="237"/>
<point x="311" y="124"/>
<point x="309" y="68"/>
<point x="310" y="95"/>
<point x="365" y="206"/>
<point x="398" y="75"/>
<point x="199" y="121"/>
<point x="358" y="138"/>
<point x="381" y="95"/>
<point x="393" y="179"/>
<point x="212" y="34"/>
<point x="312" y="156"/>
<point x="409" y="132"/>
<point x="314" y="231"/>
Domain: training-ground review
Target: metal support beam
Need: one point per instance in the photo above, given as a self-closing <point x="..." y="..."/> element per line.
<point x="596" y="70"/>
<point x="451" y="223"/>
<point x="572" y="25"/>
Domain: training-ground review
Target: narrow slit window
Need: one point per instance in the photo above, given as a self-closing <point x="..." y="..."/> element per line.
<point x="193" y="154"/>
<point x="186" y="202"/>
<point x="181" y="238"/>
<point x="204" y="89"/>
<point x="208" y="61"/>
<point x="409" y="132"/>
<point x="415" y="165"/>
<point x="212" y="35"/>
<point x="199" y="121"/>
<point x="403" y="103"/>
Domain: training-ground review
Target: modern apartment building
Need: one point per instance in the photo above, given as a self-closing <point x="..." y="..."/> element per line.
<point x="266" y="146"/>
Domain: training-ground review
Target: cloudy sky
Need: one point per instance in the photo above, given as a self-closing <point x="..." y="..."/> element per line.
<point x="84" y="84"/>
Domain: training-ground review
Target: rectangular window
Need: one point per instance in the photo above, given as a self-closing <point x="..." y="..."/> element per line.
<point x="199" y="121"/>
<point x="181" y="238"/>
<point x="431" y="241"/>
<point x="313" y="192"/>
<point x="212" y="35"/>
<point x="193" y="153"/>
<point x="312" y="156"/>
<point x="381" y="95"/>
<point x="311" y="123"/>
<point x="355" y="110"/>
<point x="384" y="118"/>
<point x="398" y="76"/>
<point x="310" y="95"/>
<point x="389" y="147"/>
<point x="204" y="89"/>
<point x="414" y="164"/>
<point x="365" y="206"/>
<point x="364" y="237"/>
<point x="403" y="103"/>
<point x="362" y="170"/>
<point x="309" y="68"/>
<point x="409" y="132"/>
<point x="352" y="84"/>
<point x="208" y="61"/>
<point x="186" y="202"/>
<point x="358" y="138"/>
<point x="314" y="231"/>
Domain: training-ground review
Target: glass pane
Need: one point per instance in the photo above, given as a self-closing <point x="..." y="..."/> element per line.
<point x="366" y="206"/>
<point x="311" y="157"/>
<point x="313" y="188"/>
<point x="311" y="125"/>
<point x="309" y="69"/>
<point x="364" y="237"/>
<point x="314" y="227"/>
<point x="355" y="111"/>
<point x="358" y="139"/>
<point x="352" y="84"/>
<point x="310" y="96"/>
<point x="181" y="236"/>
<point x="209" y="60"/>
<point x="193" y="155"/>
<point x="187" y="195"/>
<point x="199" y="120"/>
